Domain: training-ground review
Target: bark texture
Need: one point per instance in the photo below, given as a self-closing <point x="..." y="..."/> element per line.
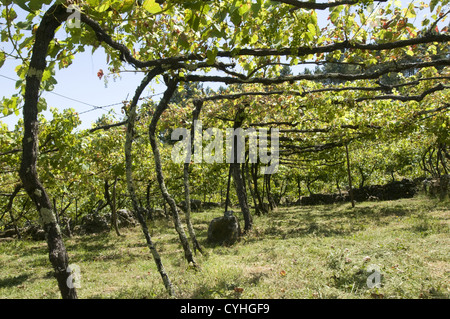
<point x="28" y="170"/>
<point x="187" y="197"/>
<point x="239" y="182"/>
<point x="162" y="106"/>
<point x="137" y="209"/>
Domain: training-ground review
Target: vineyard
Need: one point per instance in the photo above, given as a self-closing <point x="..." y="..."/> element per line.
<point x="319" y="123"/>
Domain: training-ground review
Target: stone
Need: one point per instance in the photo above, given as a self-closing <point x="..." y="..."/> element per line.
<point x="8" y="233"/>
<point x="156" y="213"/>
<point x="196" y="205"/>
<point x="391" y="191"/>
<point x="224" y="230"/>
<point x="94" y="223"/>
<point x="125" y="218"/>
<point x="34" y="230"/>
<point x="210" y="205"/>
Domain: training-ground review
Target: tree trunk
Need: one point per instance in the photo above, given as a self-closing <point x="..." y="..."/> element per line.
<point x="270" y="199"/>
<point x="338" y="187"/>
<point x="112" y="204"/>
<point x="130" y="182"/>
<point x="349" y="177"/>
<point x="238" y="180"/>
<point x="283" y="191"/>
<point x="254" y="171"/>
<point x="147" y="194"/>
<point x="171" y="87"/>
<point x="76" y="211"/>
<point x="308" y="186"/>
<point x="187" y="198"/>
<point x="28" y="172"/>
<point x="299" y="188"/>
<point x="227" y="199"/>
<point x="363" y="177"/>
<point x="240" y="191"/>
<point x="9" y="209"/>
<point x="252" y="192"/>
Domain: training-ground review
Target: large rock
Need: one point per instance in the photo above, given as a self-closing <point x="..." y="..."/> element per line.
<point x="126" y="218"/>
<point x="33" y="230"/>
<point x="435" y="187"/>
<point x="210" y="205"/>
<point x="8" y="233"/>
<point x="156" y="213"/>
<point x="224" y="230"/>
<point x="94" y="223"/>
<point x="196" y="205"/>
<point x="391" y="191"/>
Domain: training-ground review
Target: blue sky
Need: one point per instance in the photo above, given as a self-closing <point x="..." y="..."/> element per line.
<point x="80" y="82"/>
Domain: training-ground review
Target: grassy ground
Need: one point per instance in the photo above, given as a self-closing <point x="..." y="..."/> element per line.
<point x="296" y="252"/>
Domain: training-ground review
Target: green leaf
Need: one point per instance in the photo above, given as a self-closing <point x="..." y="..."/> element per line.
<point x="211" y="55"/>
<point x="2" y="58"/>
<point x="36" y="5"/>
<point x="10" y="105"/>
<point x="104" y="6"/>
<point x="47" y="75"/>
<point x="151" y="6"/>
<point x="410" y="13"/>
<point x="236" y="18"/>
<point x="243" y="8"/>
<point x="183" y="41"/>
<point x="254" y="38"/>
<point x="93" y="3"/>
<point x="433" y="4"/>
<point x="312" y="29"/>
<point x="42" y="104"/>
<point x="335" y="13"/>
<point x="256" y="8"/>
<point x="21" y="3"/>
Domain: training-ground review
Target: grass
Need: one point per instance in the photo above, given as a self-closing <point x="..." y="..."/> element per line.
<point x="295" y="252"/>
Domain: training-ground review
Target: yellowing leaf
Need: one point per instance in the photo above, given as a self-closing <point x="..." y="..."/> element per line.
<point x="151" y="6"/>
<point x="312" y="29"/>
<point x="243" y="8"/>
<point x="104" y="6"/>
<point x="93" y="3"/>
<point x="254" y="38"/>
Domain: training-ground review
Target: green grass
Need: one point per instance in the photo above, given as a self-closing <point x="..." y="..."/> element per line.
<point x="295" y="252"/>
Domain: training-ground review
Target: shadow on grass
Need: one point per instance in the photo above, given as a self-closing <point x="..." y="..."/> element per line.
<point x="94" y="247"/>
<point x="223" y="290"/>
<point x="326" y="221"/>
<point x="13" y="280"/>
<point x="376" y="212"/>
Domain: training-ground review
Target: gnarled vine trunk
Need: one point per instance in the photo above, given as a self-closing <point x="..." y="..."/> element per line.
<point x="111" y="200"/>
<point x="171" y="87"/>
<point x="239" y="182"/>
<point x="59" y="259"/>
<point x="187" y="197"/>
<point x="137" y="209"/>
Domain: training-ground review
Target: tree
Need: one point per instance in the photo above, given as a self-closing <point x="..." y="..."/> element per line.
<point x="378" y="94"/>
